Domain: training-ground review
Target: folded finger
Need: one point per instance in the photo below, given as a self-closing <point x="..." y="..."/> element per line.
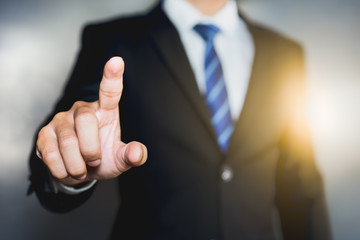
<point x="87" y="131"/>
<point x="70" y="151"/>
<point x="48" y="151"/>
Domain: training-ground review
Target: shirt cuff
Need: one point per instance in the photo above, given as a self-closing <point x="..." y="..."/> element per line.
<point x="57" y="186"/>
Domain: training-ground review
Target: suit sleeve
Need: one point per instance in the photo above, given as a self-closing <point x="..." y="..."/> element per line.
<point x="300" y="189"/>
<point x="83" y="85"/>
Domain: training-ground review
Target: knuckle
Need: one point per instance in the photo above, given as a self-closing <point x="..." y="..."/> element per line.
<point x="50" y="157"/>
<point x="59" y="175"/>
<point x="41" y="133"/>
<point x="77" y="171"/>
<point x="78" y="104"/>
<point x="60" y="116"/>
<point x="45" y="131"/>
<point x="111" y="94"/>
<point x="67" y="139"/>
<point x="84" y="115"/>
<point x="91" y="153"/>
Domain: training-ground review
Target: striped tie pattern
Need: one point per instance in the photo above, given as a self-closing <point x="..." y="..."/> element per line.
<point x="216" y="94"/>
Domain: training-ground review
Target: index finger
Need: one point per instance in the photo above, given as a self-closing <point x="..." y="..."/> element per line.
<point x="111" y="84"/>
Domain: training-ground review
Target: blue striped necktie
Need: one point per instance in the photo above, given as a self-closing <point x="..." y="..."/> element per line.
<point x="216" y="94"/>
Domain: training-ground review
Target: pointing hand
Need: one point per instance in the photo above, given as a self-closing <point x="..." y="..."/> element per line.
<point x="84" y="143"/>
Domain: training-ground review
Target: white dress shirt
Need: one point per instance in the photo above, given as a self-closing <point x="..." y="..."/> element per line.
<point x="233" y="44"/>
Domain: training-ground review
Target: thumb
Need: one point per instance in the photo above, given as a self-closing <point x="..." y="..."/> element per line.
<point x="129" y="155"/>
<point x="111" y="84"/>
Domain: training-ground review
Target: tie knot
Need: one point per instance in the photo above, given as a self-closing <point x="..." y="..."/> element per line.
<point x="206" y="31"/>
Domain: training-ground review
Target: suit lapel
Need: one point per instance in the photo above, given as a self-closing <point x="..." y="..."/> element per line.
<point x="261" y="117"/>
<point x="246" y="126"/>
<point x="171" y="52"/>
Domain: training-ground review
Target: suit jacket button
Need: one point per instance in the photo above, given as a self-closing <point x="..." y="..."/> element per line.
<point x="227" y="173"/>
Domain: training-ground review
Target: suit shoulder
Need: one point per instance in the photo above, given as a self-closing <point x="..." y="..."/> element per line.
<point x="274" y="37"/>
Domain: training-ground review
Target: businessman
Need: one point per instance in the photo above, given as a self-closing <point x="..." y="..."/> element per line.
<point x="215" y="100"/>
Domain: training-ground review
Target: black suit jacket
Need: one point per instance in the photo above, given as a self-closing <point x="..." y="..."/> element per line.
<point x="179" y="193"/>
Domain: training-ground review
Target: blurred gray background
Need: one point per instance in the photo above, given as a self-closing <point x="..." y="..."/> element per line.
<point x="39" y="41"/>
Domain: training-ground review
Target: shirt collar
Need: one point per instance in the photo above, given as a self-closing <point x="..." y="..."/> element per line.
<point x="185" y="16"/>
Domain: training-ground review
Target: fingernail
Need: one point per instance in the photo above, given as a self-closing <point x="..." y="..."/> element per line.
<point x="81" y="177"/>
<point x="94" y="163"/>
